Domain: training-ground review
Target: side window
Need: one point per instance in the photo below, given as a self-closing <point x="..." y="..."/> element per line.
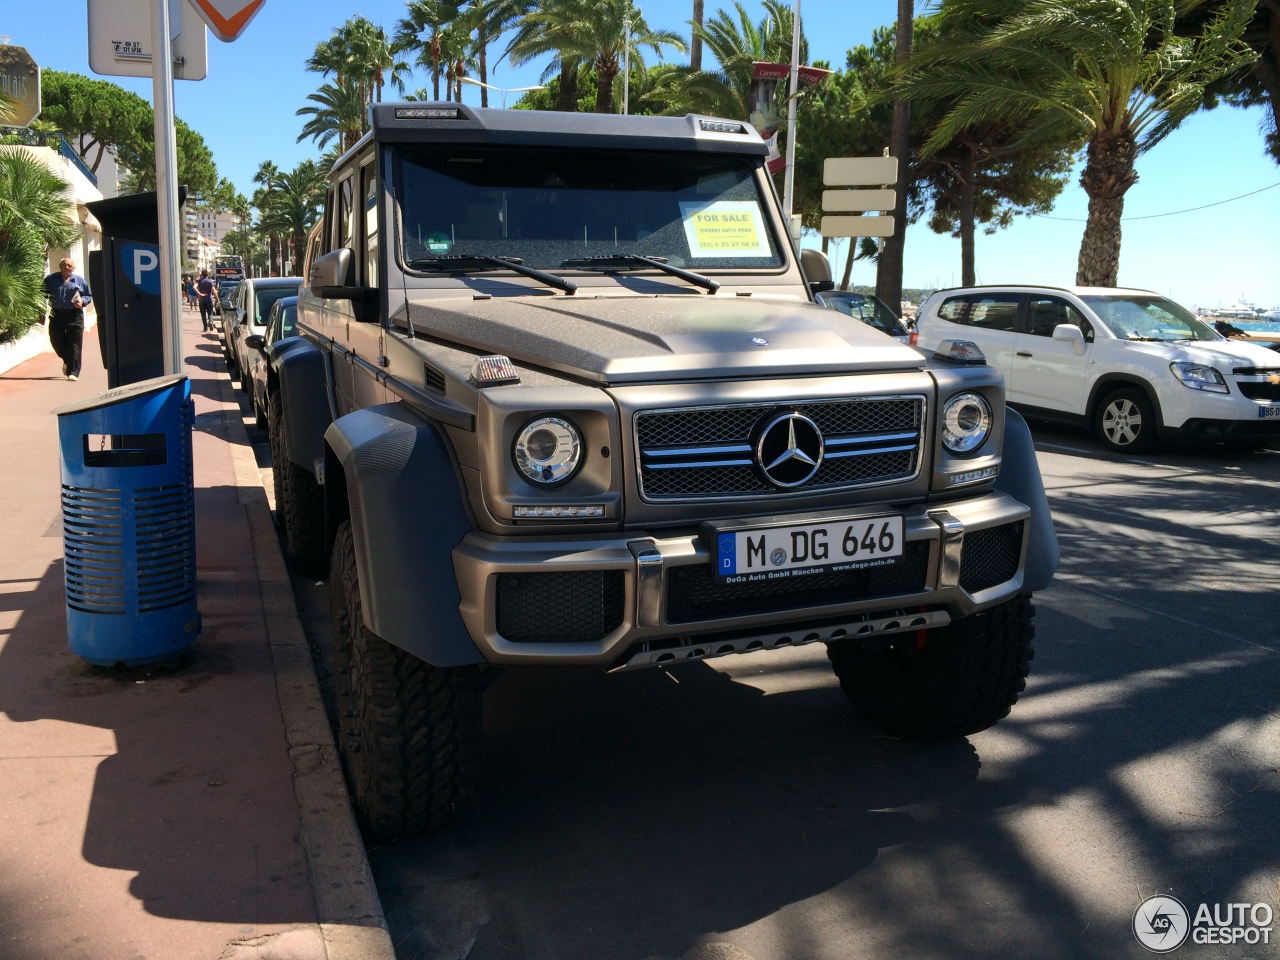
<point x="370" y="206"/>
<point x="954" y="309"/>
<point x="326" y="220"/>
<point x="346" y="215"/>
<point x="994" y="311"/>
<point x="1045" y="313"/>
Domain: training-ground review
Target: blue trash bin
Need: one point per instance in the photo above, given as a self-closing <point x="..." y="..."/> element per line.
<point x="128" y="516"/>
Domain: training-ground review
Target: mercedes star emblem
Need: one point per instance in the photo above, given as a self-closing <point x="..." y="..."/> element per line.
<point x="789" y="450"/>
<point x="760" y="341"/>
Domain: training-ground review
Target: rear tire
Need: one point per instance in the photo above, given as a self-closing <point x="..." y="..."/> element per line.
<point x="299" y="500"/>
<point x="963" y="679"/>
<point x="409" y="733"/>
<point x="1125" y="421"/>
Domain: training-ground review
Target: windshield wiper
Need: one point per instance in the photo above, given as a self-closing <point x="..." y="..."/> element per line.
<point x="619" y="261"/>
<point x="507" y="263"/>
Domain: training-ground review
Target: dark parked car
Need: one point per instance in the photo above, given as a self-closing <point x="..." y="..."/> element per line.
<point x="280" y="325"/>
<point x="870" y="310"/>
<point x="251" y="304"/>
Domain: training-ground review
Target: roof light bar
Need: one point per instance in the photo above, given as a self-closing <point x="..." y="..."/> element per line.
<point x="426" y="113"/>
<point x="721" y="126"/>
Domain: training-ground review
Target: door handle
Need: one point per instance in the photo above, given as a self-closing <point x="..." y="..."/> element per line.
<point x="1023" y="353"/>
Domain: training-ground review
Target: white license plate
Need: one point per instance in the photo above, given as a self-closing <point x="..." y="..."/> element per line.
<point x="772" y="553"/>
<point x="1270" y="411"/>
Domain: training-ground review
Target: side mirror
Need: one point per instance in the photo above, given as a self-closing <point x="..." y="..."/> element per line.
<point x="1069" y="333"/>
<point x="817" y="270"/>
<point x="331" y="270"/>
<point x="255" y="341"/>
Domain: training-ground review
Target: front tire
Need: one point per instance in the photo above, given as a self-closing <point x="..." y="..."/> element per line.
<point x="963" y="677"/>
<point x="1125" y="421"/>
<point x="408" y="733"/>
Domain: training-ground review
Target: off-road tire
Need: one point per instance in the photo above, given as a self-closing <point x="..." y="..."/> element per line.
<point x="955" y="681"/>
<point x="1127" y="401"/>
<point x="409" y="733"/>
<point x="299" y="500"/>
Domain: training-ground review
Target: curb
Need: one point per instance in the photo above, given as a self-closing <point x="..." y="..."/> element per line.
<point x="347" y="905"/>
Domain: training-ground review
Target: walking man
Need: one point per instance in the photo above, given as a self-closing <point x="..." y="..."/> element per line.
<point x="207" y="291"/>
<point x="68" y="295"/>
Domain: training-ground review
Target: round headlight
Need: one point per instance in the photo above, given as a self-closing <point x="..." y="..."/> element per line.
<point x="548" y="450"/>
<point x="966" y="421"/>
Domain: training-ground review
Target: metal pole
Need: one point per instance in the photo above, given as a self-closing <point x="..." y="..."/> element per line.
<point x="789" y="178"/>
<point x="166" y="153"/>
<point x="626" y="67"/>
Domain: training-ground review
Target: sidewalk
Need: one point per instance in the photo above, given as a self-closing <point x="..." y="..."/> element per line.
<point x="188" y="812"/>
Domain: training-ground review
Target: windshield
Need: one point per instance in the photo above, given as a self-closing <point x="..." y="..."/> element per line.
<point x="265" y="297"/>
<point x="550" y="206"/>
<point x="288" y="321"/>
<point x="870" y="310"/>
<point x="1137" y="317"/>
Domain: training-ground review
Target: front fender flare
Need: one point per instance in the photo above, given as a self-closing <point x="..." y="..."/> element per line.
<point x="302" y="381"/>
<point x="407" y="514"/>
<point x="1020" y="478"/>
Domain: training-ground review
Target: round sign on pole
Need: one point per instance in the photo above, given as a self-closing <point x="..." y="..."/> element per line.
<point x="20" y="79"/>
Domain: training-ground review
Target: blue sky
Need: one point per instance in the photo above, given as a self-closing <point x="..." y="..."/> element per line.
<point x="245" y="111"/>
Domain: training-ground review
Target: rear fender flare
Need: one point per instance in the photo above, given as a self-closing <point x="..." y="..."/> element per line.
<point x="407" y="514"/>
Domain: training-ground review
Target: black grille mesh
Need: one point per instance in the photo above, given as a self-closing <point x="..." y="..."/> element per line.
<point x="735" y="425"/>
<point x="572" y="607"/>
<point x="693" y="594"/>
<point x="1259" y="391"/>
<point x="990" y="557"/>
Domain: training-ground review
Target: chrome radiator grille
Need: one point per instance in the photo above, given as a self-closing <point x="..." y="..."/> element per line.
<point x="706" y="453"/>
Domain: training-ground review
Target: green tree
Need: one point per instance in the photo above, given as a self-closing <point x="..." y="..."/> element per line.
<point x="338" y="114"/>
<point x="361" y="60"/>
<point x="196" y="168"/>
<point x="1257" y="85"/>
<point x="419" y="32"/>
<point x="1117" y="74"/>
<point x="94" y="115"/>
<point x="591" y="31"/>
<point x="536" y="38"/>
<point x="737" y="42"/>
<point x="35" y="214"/>
<point x="294" y="206"/>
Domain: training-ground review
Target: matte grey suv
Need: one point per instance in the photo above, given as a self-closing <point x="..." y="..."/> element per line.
<point x="561" y="396"/>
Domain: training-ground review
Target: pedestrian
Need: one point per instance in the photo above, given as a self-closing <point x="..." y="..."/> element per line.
<point x="207" y="291"/>
<point x="68" y="295"/>
<point x="191" y="292"/>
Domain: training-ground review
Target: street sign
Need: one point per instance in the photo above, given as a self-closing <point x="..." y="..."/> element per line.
<point x="227" y="18"/>
<point x="857" y="227"/>
<point x="120" y="39"/>
<point x="859" y="171"/>
<point x="20" y="79"/>
<point x="841" y="201"/>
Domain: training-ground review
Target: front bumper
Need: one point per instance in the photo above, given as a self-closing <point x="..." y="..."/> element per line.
<point x="668" y="606"/>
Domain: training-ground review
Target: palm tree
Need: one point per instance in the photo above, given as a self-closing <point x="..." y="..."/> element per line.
<point x="534" y="38"/>
<point x="340" y="113"/>
<point x="266" y="176"/>
<point x="1115" y="74"/>
<point x="358" y="55"/>
<point x="295" y="206"/>
<point x="592" y="31"/>
<point x="737" y="43"/>
<point x="34" y="214"/>
<point x="420" y="31"/>
<point x="695" y="48"/>
<point x="489" y="20"/>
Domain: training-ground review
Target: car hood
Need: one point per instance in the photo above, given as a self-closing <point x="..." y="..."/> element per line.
<point x="1224" y="355"/>
<point x="614" y="340"/>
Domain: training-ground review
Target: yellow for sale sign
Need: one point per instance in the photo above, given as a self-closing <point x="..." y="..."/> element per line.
<point x="725" y="228"/>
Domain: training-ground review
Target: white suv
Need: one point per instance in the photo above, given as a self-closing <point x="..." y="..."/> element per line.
<point x="1131" y="363"/>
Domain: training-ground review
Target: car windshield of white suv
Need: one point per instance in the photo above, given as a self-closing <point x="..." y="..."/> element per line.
<point x="581" y="210"/>
<point x="1149" y="318"/>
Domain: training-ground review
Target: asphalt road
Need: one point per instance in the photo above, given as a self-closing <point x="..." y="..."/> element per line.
<point x="739" y="810"/>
